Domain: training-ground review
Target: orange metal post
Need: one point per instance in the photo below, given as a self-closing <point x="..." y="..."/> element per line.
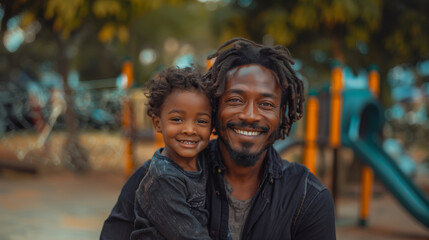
<point x="335" y="118"/>
<point x="374" y="83"/>
<point x="158" y="140"/>
<point x="311" y="128"/>
<point x="335" y="123"/>
<point x="367" y="175"/>
<point x="209" y="63"/>
<point x="127" y="71"/>
<point x="367" y="178"/>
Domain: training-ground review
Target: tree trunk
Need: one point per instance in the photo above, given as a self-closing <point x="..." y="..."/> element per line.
<point x="75" y="157"/>
<point x="337" y="52"/>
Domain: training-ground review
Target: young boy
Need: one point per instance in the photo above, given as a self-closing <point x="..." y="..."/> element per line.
<point x="170" y="201"/>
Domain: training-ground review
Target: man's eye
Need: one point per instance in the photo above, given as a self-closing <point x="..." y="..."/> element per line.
<point x="233" y="100"/>
<point x="267" y="105"/>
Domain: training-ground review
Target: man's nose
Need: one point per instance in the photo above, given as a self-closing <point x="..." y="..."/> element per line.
<point x="250" y="113"/>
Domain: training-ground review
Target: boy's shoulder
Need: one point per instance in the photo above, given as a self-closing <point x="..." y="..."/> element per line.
<point x="163" y="167"/>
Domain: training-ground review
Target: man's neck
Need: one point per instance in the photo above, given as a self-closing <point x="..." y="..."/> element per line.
<point x="243" y="180"/>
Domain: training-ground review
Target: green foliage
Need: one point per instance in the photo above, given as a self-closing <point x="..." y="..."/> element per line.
<point x="68" y="17"/>
<point x="391" y="31"/>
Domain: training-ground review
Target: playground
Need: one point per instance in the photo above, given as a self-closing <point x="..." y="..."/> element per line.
<point x="73" y="122"/>
<point x="59" y="204"/>
<point x="339" y="141"/>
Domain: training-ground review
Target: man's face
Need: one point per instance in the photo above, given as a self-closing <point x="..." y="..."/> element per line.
<point x="249" y="113"/>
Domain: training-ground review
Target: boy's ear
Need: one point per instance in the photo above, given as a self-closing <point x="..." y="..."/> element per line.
<point x="156" y="121"/>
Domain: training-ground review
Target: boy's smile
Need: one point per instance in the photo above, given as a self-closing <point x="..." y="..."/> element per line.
<point x="185" y="124"/>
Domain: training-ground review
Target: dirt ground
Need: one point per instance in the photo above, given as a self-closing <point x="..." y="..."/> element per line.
<point x="58" y="204"/>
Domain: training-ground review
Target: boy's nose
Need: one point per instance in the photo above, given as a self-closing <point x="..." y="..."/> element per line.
<point x="188" y="129"/>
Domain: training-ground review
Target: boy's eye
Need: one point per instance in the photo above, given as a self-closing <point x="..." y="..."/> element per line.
<point x="202" y="121"/>
<point x="176" y="119"/>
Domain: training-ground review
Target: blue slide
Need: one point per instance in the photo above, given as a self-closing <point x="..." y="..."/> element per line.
<point x="407" y="193"/>
<point x="362" y="121"/>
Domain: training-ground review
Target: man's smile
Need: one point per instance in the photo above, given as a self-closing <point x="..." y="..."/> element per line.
<point x="247" y="132"/>
<point x="245" y="129"/>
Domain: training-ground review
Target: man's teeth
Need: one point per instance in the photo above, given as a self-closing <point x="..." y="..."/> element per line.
<point x="247" y="133"/>
<point x="188" y="142"/>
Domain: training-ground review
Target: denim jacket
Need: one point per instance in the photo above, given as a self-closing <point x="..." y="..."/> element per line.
<point x="289" y="204"/>
<point x="170" y="202"/>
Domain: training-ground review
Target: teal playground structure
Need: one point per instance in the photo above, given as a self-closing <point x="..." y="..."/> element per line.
<point x="362" y="121"/>
<point x="358" y="124"/>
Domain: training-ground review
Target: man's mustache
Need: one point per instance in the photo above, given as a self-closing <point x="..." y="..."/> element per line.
<point x="248" y="125"/>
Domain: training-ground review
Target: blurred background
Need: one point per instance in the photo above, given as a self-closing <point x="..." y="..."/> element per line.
<point x="73" y="125"/>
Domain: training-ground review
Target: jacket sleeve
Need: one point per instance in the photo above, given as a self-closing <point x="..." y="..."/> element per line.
<point x="120" y="223"/>
<point x="164" y="205"/>
<point x="317" y="219"/>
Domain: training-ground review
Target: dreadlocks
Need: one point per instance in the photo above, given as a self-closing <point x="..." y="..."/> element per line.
<point x="276" y="58"/>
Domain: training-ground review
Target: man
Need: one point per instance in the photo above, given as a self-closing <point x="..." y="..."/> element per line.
<point x="251" y="192"/>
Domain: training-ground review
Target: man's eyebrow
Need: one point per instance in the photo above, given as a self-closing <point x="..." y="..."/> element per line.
<point x="239" y="91"/>
<point x="235" y="91"/>
<point x="269" y="95"/>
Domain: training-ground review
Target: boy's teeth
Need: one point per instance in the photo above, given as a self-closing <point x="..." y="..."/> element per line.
<point x="247" y="133"/>
<point x="188" y="142"/>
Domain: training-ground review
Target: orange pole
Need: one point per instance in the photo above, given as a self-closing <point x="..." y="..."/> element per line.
<point x="374" y="83"/>
<point x="209" y="63"/>
<point x="158" y="140"/>
<point x="335" y="123"/>
<point x="367" y="175"/>
<point x="367" y="179"/>
<point x="336" y="101"/>
<point x="127" y="71"/>
<point x="311" y="128"/>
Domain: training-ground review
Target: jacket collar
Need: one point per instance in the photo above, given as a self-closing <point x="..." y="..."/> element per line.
<point x="272" y="162"/>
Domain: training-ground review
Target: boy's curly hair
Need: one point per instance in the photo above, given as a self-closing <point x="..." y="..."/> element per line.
<point x="276" y="58"/>
<point x="158" y="88"/>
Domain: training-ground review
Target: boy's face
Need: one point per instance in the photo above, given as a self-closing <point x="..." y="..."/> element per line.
<point x="185" y="124"/>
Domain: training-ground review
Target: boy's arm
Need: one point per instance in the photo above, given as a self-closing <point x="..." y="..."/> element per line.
<point x="120" y="222"/>
<point x="168" y="211"/>
<point x="318" y="221"/>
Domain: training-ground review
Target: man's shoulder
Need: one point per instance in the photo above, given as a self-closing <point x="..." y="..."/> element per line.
<point x="140" y="172"/>
<point x="293" y="170"/>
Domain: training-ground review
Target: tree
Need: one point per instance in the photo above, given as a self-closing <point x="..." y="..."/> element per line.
<point x="69" y="23"/>
<point x="356" y="33"/>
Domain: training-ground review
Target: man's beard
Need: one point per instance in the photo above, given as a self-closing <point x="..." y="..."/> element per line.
<point x="244" y="157"/>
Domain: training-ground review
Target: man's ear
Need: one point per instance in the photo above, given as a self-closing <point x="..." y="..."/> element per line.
<point x="156" y="121"/>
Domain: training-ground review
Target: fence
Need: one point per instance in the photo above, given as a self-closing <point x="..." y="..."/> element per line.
<point x="33" y="127"/>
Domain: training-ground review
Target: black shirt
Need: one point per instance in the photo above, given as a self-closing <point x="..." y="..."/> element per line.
<point x="289" y="204"/>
